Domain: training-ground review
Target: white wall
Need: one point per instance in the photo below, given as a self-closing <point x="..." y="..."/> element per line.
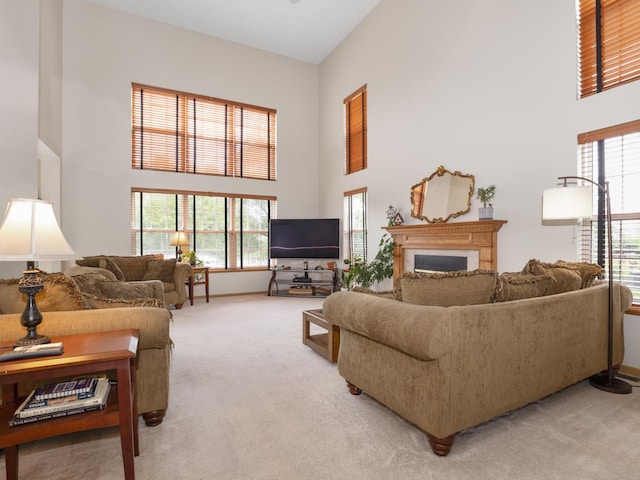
<point x="487" y="88"/>
<point x="18" y="106"/>
<point x="104" y="51"/>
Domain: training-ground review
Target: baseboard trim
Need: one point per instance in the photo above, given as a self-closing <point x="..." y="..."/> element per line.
<point x="630" y="371"/>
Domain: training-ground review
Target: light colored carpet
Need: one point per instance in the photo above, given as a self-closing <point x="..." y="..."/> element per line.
<point x="250" y="401"/>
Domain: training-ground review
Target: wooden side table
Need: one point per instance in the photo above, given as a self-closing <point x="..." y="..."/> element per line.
<point x="191" y="282"/>
<point x="326" y="344"/>
<point x="83" y="354"/>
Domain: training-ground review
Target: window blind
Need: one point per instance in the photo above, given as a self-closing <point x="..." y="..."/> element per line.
<point x="609" y="44"/>
<point x="182" y="132"/>
<point x="613" y="154"/>
<point x="355" y="224"/>
<point x="355" y="110"/>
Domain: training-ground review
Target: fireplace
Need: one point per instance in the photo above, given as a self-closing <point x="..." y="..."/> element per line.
<point x="476" y="241"/>
<point x="439" y="263"/>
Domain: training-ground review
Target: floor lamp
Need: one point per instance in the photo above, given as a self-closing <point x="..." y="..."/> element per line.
<point x="570" y="203"/>
<point x="30" y="232"/>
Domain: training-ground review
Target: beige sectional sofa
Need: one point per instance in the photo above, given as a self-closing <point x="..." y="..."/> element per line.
<point x="451" y="351"/>
<point x="66" y="312"/>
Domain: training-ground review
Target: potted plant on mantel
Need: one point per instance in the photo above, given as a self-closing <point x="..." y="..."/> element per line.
<point x="486" y="196"/>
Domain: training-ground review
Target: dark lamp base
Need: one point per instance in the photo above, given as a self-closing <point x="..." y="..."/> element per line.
<point x="601" y="382"/>
<point x="36" y="339"/>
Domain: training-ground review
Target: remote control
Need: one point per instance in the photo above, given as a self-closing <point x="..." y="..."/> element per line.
<point x="31" y="351"/>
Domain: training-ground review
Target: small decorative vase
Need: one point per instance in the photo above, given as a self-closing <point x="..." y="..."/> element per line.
<point x="485" y="213"/>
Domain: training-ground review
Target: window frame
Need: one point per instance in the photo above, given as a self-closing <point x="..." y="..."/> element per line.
<point x="355" y="131"/>
<point x="189" y="133"/>
<point x="185" y="218"/>
<point x="350" y="230"/>
<point x="618" y="167"/>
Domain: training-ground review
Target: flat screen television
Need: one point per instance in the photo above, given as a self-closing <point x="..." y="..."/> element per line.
<point x="304" y="238"/>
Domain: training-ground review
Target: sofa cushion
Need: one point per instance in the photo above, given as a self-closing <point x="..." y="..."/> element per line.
<point x="59" y="293"/>
<point x="89" y="282"/>
<point x="160" y="270"/>
<point x="104" y="262"/>
<point x="134" y="267"/>
<point x="565" y="279"/>
<point x="130" y="290"/>
<point x="448" y="289"/>
<point x="516" y="286"/>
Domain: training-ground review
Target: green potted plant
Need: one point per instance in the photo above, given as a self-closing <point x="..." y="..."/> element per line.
<point x="486" y="196"/>
<point x="367" y="274"/>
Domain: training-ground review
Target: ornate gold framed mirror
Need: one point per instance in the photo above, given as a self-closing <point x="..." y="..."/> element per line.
<point x="442" y="195"/>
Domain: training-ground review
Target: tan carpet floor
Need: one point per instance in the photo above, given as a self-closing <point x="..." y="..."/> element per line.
<point x="250" y="401"/>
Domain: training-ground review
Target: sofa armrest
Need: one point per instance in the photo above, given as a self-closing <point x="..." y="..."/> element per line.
<point x="423" y="332"/>
<point x="181" y="274"/>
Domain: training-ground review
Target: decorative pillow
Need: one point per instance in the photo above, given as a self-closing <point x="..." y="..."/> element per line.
<point x="89" y="282"/>
<point x="130" y="290"/>
<point x="516" y="286"/>
<point x="588" y="271"/>
<point x="60" y="293"/>
<point x="160" y="270"/>
<point x="565" y="279"/>
<point x="95" y="301"/>
<point x="104" y="262"/>
<point x="448" y="289"/>
<point x="134" y="267"/>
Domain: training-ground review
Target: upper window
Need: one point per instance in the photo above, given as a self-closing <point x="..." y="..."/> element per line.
<point x="355" y="122"/>
<point x="609" y="39"/>
<point x="183" y="132"/>
<point x="613" y="155"/>
<point x="355" y="224"/>
<point x="226" y="231"/>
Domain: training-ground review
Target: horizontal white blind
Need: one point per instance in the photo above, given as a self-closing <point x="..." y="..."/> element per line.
<point x="181" y="132"/>
<point x="616" y="152"/>
<point x="355" y="224"/>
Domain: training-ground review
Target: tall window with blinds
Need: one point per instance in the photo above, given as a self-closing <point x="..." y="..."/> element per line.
<point x="227" y="232"/>
<point x="355" y="127"/>
<point x="609" y="44"/>
<point x="183" y="132"/>
<point x="355" y="224"/>
<point x="613" y="154"/>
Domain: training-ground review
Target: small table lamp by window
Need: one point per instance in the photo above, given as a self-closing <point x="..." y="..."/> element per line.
<point x="179" y="240"/>
<point x="30" y="232"/>
<point x="571" y="203"/>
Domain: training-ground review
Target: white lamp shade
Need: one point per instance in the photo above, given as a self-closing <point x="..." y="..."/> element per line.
<point x="30" y="232"/>
<point x="179" y="239"/>
<point x="567" y="203"/>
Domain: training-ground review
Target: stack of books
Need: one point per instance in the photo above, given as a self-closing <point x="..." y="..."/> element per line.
<point x="62" y="399"/>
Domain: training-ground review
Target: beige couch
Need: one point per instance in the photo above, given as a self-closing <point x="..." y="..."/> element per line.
<point x="65" y="312"/>
<point x="451" y="366"/>
<point x="140" y="272"/>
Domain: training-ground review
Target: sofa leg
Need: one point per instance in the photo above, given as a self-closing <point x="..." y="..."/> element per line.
<point x="178" y="306"/>
<point x="155" y="418"/>
<point x="441" y="446"/>
<point x="353" y="389"/>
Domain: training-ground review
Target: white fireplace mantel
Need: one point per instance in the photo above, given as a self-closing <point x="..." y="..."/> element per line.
<point x="480" y="236"/>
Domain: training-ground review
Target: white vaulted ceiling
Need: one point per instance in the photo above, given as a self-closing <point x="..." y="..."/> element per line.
<point x="306" y="30"/>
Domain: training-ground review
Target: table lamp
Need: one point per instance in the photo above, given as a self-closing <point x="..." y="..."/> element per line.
<point x="30" y="232"/>
<point x="570" y="203"/>
<point x="179" y="240"/>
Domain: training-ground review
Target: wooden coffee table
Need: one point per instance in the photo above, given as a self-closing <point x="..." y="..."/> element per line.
<point x="83" y="354"/>
<point x="326" y="344"/>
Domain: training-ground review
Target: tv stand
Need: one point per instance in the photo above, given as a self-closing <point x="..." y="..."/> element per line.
<point x="302" y="282"/>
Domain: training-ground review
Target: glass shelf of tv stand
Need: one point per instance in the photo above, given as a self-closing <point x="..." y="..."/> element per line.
<point x="320" y="283"/>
